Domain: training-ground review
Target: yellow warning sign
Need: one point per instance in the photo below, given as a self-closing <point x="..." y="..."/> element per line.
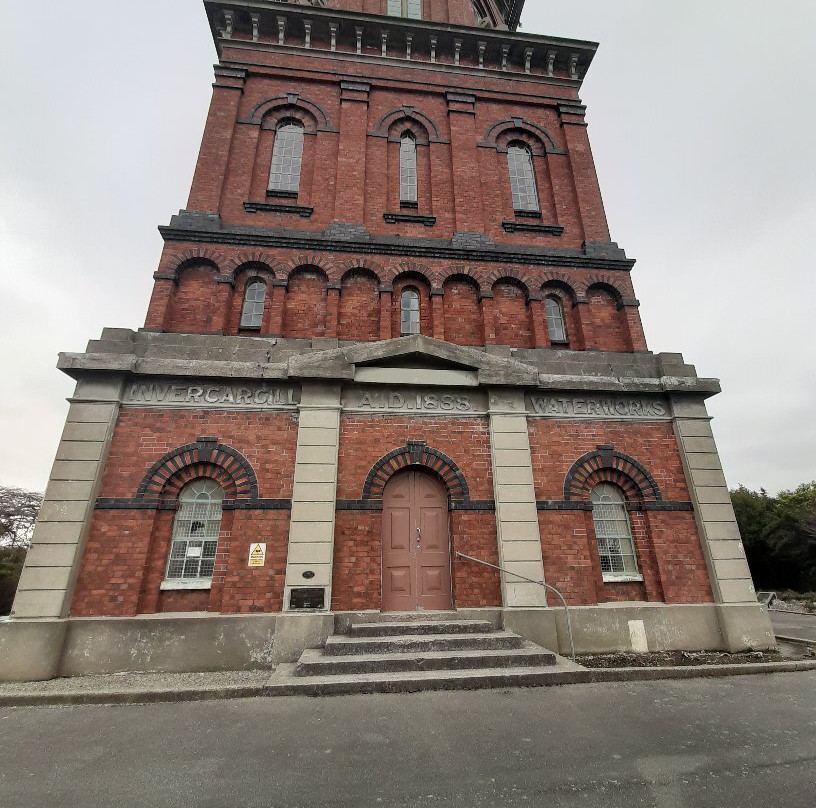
<point x="257" y="555"/>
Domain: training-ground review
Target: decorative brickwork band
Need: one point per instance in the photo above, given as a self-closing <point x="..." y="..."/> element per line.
<point x="204" y="458"/>
<point x="607" y="465"/>
<point x="416" y="453"/>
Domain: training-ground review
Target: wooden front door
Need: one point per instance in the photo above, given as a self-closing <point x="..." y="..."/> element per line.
<point x="416" y="546"/>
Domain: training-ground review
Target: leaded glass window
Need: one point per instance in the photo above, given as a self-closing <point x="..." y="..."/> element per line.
<point x="556" y="325"/>
<point x="522" y="177"/>
<point x="408" y="168"/>
<point x="613" y="532"/>
<point x="252" y="313"/>
<point x="287" y="157"/>
<point x="195" y="531"/>
<point x="409" y="312"/>
<point x="405" y="8"/>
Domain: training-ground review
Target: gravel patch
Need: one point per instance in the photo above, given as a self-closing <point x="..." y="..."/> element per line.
<point x="678" y="659"/>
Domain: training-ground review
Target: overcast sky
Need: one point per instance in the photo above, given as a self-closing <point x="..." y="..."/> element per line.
<point x="702" y="122"/>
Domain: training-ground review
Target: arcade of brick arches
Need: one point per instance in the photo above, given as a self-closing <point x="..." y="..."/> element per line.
<point x="390" y="326"/>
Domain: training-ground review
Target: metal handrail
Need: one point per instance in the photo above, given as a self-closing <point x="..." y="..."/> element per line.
<point x="537" y="583"/>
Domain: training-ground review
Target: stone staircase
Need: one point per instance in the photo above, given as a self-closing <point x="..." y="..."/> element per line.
<point x="418" y="654"/>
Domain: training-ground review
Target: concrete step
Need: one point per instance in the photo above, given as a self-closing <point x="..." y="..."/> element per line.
<point x="436" y="627"/>
<point x="314" y="662"/>
<point x="286" y="683"/>
<point x="340" y="645"/>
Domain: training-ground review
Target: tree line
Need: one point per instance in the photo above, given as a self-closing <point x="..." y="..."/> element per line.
<point x="18" y="513"/>
<point x="779" y="536"/>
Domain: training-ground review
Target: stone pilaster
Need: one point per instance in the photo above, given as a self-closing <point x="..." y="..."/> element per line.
<point x="516" y="513"/>
<point x="311" y="530"/>
<point x="47" y="583"/>
<point x="743" y="622"/>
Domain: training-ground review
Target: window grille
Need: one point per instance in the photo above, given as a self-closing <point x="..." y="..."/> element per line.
<point x="613" y="532"/>
<point x="408" y="169"/>
<point x="195" y="531"/>
<point x="522" y="177"/>
<point x="287" y="158"/>
<point x="405" y="8"/>
<point x="252" y="314"/>
<point x="555" y="319"/>
<point x="409" y="312"/>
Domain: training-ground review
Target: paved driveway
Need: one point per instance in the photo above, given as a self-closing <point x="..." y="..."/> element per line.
<point x="801" y="626"/>
<point x="713" y="743"/>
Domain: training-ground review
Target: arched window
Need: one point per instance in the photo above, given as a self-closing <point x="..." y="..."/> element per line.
<point x="252" y="313"/>
<point x="405" y="8"/>
<point x="522" y="177"/>
<point x="408" y="169"/>
<point x="409" y="312"/>
<point x="556" y="324"/>
<point x="195" y="531"/>
<point x="613" y="533"/>
<point x="287" y="157"/>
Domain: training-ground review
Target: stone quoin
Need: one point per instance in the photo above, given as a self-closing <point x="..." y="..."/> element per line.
<point x="389" y="326"/>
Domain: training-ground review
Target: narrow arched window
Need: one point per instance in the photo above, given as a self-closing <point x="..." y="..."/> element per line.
<point x="405" y="8"/>
<point x="409" y="312"/>
<point x="556" y="324"/>
<point x="522" y="177"/>
<point x="408" y="169"/>
<point x="195" y="531"/>
<point x="613" y="532"/>
<point x="287" y="157"/>
<point x="252" y="313"/>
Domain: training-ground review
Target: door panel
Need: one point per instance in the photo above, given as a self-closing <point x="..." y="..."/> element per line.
<point x="416" y="563"/>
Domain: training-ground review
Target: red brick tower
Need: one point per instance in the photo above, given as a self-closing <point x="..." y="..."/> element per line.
<point x="390" y="326"/>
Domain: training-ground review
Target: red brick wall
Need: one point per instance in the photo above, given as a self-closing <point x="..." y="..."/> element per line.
<point x="463" y="315"/>
<point x="668" y="547"/>
<point x="191" y="310"/>
<point x="126" y="553"/>
<point x="359" y="317"/>
<point x="512" y="316"/>
<point x="306" y="303"/>
<point x="610" y="330"/>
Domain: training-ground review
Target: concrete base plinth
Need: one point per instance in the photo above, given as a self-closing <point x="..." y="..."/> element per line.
<point x="606" y="629"/>
<point x="746" y="627"/>
<point x="297" y="632"/>
<point x="31" y="650"/>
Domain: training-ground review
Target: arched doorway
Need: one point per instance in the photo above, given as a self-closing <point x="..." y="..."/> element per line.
<point x="416" y="573"/>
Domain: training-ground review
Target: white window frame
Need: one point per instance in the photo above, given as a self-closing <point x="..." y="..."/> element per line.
<point x="411" y="324"/>
<point x="521" y="170"/>
<point x="287" y="158"/>
<point x="556" y="322"/>
<point x="412" y="9"/>
<point x="409" y="187"/>
<point x="196" y="526"/>
<point x="612" y="526"/>
<point x="252" y="310"/>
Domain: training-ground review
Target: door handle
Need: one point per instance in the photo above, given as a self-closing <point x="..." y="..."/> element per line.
<point x="419" y="536"/>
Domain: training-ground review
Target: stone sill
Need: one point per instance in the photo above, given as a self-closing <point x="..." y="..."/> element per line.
<point x="177" y="584"/>
<point x="622" y="579"/>
<point x="272" y="207"/>
<point x="413" y="218"/>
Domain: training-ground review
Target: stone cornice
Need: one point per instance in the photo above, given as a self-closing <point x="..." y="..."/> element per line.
<point x="132" y="354"/>
<point x="566" y="59"/>
<point x="182" y="228"/>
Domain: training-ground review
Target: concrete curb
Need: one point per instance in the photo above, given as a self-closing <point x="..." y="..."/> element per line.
<point x="128" y="697"/>
<point x="798" y="640"/>
<point x="556" y="678"/>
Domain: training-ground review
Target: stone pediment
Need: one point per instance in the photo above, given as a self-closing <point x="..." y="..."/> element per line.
<point x="414" y="360"/>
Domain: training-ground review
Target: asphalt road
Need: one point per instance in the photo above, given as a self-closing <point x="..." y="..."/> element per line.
<point x="708" y="743"/>
<point x="800" y="626"/>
